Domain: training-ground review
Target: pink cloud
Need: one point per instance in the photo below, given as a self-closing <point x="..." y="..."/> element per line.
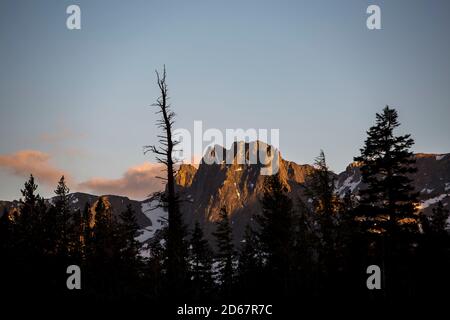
<point x="26" y="162"/>
<point x="137" y="182"/>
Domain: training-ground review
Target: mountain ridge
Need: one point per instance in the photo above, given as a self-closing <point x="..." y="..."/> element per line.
<point x="238" y="187"/>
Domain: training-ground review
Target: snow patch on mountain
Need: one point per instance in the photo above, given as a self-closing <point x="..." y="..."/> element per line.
<point x="145" y="235"/>
<point x="431" y="201"/>
<point x="158" y="217"/>
<point x="426" y="190"/>
<point x="348" y="184"/>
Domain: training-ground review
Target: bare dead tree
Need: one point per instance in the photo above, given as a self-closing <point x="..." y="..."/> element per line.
<point x="176" y="246"/>
<point x="164" y="152"/>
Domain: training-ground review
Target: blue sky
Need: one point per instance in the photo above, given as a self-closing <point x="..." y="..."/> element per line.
<point x="310" y="68"/>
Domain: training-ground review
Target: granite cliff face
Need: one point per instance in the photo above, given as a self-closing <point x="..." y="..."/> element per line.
<point x="233" y="181"/>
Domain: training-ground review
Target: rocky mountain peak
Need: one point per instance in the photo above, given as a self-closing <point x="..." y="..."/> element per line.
<point x="185" y="175"/>
<point x="232" y="178"/>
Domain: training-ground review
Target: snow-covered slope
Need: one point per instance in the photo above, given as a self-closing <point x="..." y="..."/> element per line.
<point x="157" y="216"/>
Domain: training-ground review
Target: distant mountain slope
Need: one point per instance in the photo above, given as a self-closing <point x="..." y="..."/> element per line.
<point x="432" y="180"/>
<point x="118" y="204"/>
<point x="146" y="218"/>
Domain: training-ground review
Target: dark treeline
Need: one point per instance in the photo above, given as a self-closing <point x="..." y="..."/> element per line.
<point x="39" y="240"/>
<point x="318" y="248"/>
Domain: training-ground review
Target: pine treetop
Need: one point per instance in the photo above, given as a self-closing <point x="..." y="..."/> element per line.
<point x="389" y="200"/>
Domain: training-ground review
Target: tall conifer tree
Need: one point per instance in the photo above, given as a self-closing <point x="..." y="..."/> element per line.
<point x="387" y="206"/>
<point x="225" y="252"/>
<point x="64" y="221"/>
<point x="249" y="265"/>
<point x="388" y="203"/>
<point x="277" y="234"/>
<point x="200" y="263"/>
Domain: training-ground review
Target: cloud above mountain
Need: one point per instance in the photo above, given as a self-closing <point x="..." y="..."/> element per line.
<point x="26" y="162"/>
<point x="137" y="182"/>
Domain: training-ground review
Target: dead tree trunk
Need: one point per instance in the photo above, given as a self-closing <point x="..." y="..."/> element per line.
<point x="176" y="248"/>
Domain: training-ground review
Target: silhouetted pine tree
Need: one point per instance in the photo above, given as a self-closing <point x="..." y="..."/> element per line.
<point x="434" y="260"/>
<point x="56" y="230"/>
<point x="85" y="233"/>
<point x="31" y="242"/>
<point x="277" y="236"/>
<point x="387" y="205"/>
<point x="6" y="232"/>
<point x="438" y="221"/>
<point x="129" y="261"/>
<point x="331" y="220"/>
<point x="156" y="267"/>
<point x="30" y="235"/>
<point x="102" y="230"/>
<point x="346" y="229"/>
<point x="64" y="222"/>
<point x="8" y="252"/>
<point x="76" y="240"/>
<point x="307" y="246"/>
<point x="320" y="188"/>
<point x="225" y="253"/>
<point x="386" y="162"/>
<point x="128" y="231"/>
<point x="200" y="261"/>
<point x="102" y="260"/>
<point x="249" y="265"/>
<point x="50" y="232"/>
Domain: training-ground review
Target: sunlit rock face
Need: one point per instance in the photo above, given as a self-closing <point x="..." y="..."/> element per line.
<point x="231" y="178"/>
